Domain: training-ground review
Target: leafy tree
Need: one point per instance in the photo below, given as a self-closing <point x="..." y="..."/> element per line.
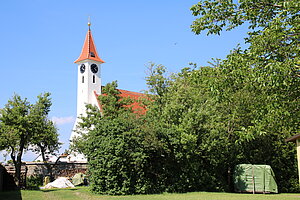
<point x="15" y="131"/>
<point x="24" y="125"/>
<point x="44" y="139"/>
<point x="184" y="126"/>
<point x="157" y="80"/>
<point x="203" y="121"/>
<point x="210" y="119"/>
<point x="258" y="87"/>
<point x="215" y="15"/>
<point x="113" y="144"/>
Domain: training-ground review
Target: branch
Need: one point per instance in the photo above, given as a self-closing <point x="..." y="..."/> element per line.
<point x="13" y="157"/>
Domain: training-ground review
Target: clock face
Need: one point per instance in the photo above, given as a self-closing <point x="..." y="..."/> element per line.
<point x="94" y="68"/>
<point x="82" y="68"/>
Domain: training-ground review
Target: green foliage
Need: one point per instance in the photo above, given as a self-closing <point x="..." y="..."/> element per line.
<point x="182" y="123"/>
<point x="24" y="125"/>
<point x="258" y="88"/>
<point x="34" y="182"/>
<point x="211" y="119"/>
<point x="44" y="139"/>
<point x="203" y="121"/>
<point x="10" y="162"/>
<point x="157" y="81"/>
<point x="215" y="15"/>
<point x="113" y="143"/>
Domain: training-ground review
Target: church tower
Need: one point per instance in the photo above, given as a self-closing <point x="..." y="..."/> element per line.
<point x="88" y="78"/>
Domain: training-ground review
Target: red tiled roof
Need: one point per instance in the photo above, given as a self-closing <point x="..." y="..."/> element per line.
<point x="135" y="96"/>
<point x="89" y="50"/>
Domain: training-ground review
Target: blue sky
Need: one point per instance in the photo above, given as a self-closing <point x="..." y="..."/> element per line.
<point x="40" y="39"/>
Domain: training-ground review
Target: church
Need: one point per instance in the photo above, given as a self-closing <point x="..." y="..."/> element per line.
<point x="89" y="85"/>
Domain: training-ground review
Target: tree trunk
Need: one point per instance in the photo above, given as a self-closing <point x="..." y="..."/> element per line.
<point x="18" y="164"/>
<point x="13" y="157"/>
<point x="47" y="165"/>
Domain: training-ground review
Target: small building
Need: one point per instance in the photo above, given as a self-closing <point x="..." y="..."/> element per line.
<point x="296" y="139"/>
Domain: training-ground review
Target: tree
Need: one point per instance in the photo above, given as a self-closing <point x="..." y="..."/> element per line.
<point x="44" y="138"/>
<point x="24" y="125"/>
<point x="15" y="131"/>
<point x="184" y="125"/>
<point x="258" y="87"/>
<point x="113" y="144"/>
<point x="201" y="122"/>
<point x="209" y="119"/>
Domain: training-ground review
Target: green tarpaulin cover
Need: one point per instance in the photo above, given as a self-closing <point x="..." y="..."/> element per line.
<point x="254" y="178"/>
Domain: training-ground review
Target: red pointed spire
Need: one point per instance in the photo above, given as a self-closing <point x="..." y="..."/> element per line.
<point x="89" y="49"/>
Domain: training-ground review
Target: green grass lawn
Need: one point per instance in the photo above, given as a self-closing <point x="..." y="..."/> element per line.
<point x="83" y="193"/>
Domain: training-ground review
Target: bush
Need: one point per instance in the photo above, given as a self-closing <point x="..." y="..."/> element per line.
<point x="34" y="182"/>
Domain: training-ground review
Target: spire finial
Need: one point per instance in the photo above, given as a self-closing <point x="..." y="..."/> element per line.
<point x="89" y="22"/>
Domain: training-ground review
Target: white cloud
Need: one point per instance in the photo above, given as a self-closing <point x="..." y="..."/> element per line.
<point x="63" y="120"/>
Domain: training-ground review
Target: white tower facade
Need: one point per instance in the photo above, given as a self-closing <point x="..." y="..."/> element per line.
<point x="88" y="82"/>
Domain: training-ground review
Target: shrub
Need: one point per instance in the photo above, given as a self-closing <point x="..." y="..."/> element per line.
<point x="34" y="182"/>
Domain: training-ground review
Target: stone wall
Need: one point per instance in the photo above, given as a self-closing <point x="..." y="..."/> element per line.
<point x="60" y="169"/>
